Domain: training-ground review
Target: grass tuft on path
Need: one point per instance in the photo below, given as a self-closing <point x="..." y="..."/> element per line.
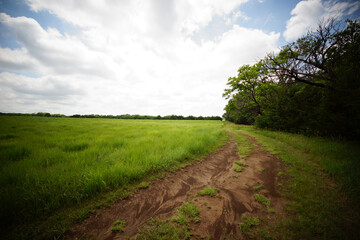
<point x="208" y="191"/>
<point x="163" y="229"/>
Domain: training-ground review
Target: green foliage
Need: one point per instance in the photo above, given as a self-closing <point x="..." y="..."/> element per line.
<point x="261" y="199"/>
<point x="191" y="211"/>
<point x="186" y="213"/>
<point x="208" y="191"/>
<point x="247" y="224"/>
<point x="118" y="226"/>
<point x="259" y="187"/>
<point x="51" y="164"/>
<point x="245" y="147"/>
<point x="241" y="163"/>
<point x="246" y="91"/>
<point x="238" y="169"/>
<point x="312" y="86"/>
<point x="143" y="185"/>
<point x="157" y="229"/>
<point x="125" y="116"/>
<point x="180" y="219"/>
<point x="317" y="207"/>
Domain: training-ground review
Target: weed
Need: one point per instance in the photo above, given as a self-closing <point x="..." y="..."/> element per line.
<point x="191" y="211"/>
<point x="159" y="229"/>
<point x="281" y="173"/>
<point x="262" y="170"/>
<point x="180" y="219"/>
<point x="238" y="169"/>
<point x="261" y="199"/>
<point x="247" y="223"/>
<point x="187" y="210"/>
<point x="259" y="187"/>
<point x="241" y="163"/>
<point x="118" y="226"/>
<point x="208" y="191"/>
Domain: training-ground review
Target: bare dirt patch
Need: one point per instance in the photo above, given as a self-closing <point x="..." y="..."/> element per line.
<point x="219" y="214"/>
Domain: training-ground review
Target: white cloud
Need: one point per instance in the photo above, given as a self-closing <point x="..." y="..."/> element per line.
<point x="16" y="59"/>
<point x="57" y="53"/>
<point x="127" y="57"/>
<point x="307" y="14"/>
<point x="236" y="15"/>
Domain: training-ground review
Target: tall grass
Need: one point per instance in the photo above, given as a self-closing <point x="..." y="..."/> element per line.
<point x="51" y="163"/>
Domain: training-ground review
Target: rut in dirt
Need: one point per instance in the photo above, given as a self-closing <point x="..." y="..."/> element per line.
<point x="218" y="215"/>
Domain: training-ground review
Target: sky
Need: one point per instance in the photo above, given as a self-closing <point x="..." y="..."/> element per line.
<point x="148" y="57"/>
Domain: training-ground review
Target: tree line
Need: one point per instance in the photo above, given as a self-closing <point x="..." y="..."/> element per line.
<point x="124" y="116"/>
<point x="311" y="86"/>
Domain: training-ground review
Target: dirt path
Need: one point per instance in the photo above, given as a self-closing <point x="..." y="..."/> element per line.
<point x="219" y="215"/>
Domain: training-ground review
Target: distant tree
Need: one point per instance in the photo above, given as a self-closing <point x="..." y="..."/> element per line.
<point x="43" y="114"/>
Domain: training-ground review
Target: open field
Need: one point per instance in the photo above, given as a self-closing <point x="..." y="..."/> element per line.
<point x="283" y="191"/>
<point x="51" y="163"/>
<point x="56" y="171"/>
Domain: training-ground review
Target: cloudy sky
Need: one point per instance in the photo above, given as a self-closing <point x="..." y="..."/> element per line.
<point x="141" y="56"/>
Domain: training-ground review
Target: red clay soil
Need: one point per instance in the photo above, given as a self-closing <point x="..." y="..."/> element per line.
<point x="219" y="215"/>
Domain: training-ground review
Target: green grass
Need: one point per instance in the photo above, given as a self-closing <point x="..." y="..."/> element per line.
<point x="143" y="185"/>
<point x="262" y="199"/>
<point x="157" y="229"/>
<point x="322" y="185"/>
<point x="259" y="187"/>
<point x="181" y="219"/>
<point x="238" y="169"/>
<point x="118" y="226"/>
<point x="163" y="229"/>
<point x="262" y="170"/>
<point x="245" y="147"/>
<point x="208" y="191"/>
<point x="247" y="224"/>
<point x="49" y="165"/>
<point x="191" y="211"/>
<point x="241" y="163"/>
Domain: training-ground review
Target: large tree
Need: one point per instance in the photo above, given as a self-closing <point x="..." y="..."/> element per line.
<point x="244" y="89"/>
<point x="312" y="85"/>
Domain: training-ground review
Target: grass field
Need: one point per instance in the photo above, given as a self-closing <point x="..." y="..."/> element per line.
<point x="321" y="184"/>
<point x="52" y="163"/>
<point x="51" y="166"/>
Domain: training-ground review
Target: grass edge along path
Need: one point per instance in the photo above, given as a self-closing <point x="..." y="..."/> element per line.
<point x="318" y="205"/>
<point x="245" y="147"/>
<point x="54" y="223"/>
